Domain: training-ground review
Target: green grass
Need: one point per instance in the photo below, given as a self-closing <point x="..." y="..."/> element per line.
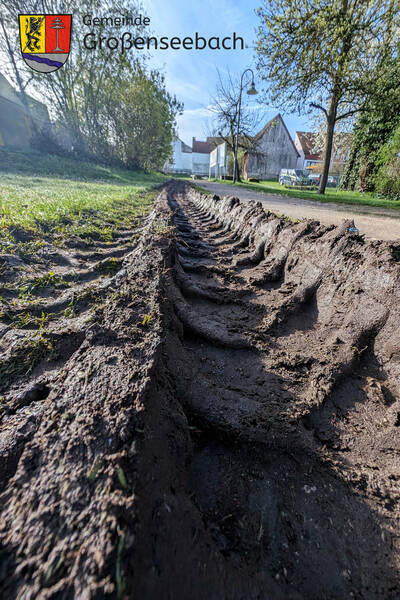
<point x="41" y="192"/>
<point x="331" y="194"/>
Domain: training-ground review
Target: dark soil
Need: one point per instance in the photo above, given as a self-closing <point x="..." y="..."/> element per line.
<point x="221" y="421"/>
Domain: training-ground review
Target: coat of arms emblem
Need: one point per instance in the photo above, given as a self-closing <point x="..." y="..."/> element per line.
<point x="45" y="41"/>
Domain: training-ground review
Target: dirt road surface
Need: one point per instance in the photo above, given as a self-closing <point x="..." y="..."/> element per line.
<point x="374" y="222"/>
<point x="222" y="424"/>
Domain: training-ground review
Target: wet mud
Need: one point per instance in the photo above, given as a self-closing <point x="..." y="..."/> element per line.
<point x="225" y="425"/>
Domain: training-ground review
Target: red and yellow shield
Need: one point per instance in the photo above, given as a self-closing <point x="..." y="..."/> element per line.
<point x="45" y="41"/>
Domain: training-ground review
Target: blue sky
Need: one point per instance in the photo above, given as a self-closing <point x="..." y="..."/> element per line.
<point x="191" y="74"/>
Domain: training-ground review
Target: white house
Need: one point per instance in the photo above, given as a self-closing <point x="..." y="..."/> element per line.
<point x="309" y="154"/>
<point x="181" y="158"/>
<point x="219" y="161"/>
<point x="195" y="160"/>
<point x="201" y="157"/>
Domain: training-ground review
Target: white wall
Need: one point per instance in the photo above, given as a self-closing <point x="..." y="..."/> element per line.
<point x="200" y="163"/>
<point x="181" y="161"/>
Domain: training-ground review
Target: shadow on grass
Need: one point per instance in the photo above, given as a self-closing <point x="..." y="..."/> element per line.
<point x="38" y="165"/>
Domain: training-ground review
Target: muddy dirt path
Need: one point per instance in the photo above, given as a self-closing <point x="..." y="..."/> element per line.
<point x="226" y="426"/>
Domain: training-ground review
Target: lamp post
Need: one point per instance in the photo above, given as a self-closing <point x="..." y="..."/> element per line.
<point x="251" y="92"/>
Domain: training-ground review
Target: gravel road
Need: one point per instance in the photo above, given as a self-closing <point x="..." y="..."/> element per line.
<point x="374" y="222"/>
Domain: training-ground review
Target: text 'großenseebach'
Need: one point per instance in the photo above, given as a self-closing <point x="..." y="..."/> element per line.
<point x="100" y="36"/>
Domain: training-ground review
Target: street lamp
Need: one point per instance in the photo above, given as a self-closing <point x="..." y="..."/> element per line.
<point x="251" y="92"/>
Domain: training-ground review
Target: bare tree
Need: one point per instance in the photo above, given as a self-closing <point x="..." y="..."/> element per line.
<point x="225" y="109"/>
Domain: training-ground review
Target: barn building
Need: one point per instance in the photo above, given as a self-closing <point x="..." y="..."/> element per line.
<point x="201" y="157"/>
<point x="272" y="150"/>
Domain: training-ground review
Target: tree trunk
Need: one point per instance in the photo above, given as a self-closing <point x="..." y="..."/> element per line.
<point x="331" y="121"/>
<point x="238" y="179"/>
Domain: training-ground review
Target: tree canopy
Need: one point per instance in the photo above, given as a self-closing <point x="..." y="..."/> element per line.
<point x="321" y="55"/>
<point x="95" y="95"/>
<point x="375" y="126"/>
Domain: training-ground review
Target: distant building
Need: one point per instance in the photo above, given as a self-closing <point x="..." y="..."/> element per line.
<point x="201" y="157"/>
<point x="181" y="158"/>
<point x="193" y="160"/>
<point x="311" y="154"/>
<point x="15" y="128"/>
<point x="272" y="150"/>
<point x="219" y="161"/>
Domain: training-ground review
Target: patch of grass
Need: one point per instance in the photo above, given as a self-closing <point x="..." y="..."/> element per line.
<point x="43" y="166"/>
<point x="147" y="319"/>
<point x="110" y="266"/>
<point x="122" y="478"/>
<point x="161" y="227"/>
<point x="43" y="194"/>
<point x="95" y="469"/>
<point x="331" y="194"/>
<point x="119" y="572"/>
<point x="28" y="251"/>
<point x="51" y="572"/>
<point x="70" y="311"/>
<point x="26" y="320"/>
<point x="28" y="286"/>
<point x="48" y="203"/>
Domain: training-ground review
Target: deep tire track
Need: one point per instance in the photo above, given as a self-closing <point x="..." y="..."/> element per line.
<point x="277" y="334"/>
<point x="226" y="425"/>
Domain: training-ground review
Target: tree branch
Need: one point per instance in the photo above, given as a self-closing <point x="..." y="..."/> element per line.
<point x="314" y="105"/>
<point x="350" y="112"/>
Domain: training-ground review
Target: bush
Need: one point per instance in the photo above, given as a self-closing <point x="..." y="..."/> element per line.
<point x="387" y="179"/>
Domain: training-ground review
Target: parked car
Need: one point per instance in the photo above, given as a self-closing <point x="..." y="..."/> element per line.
<point x="333" y="181"/>
<point x="293" y="177"/>
<point x="314" y="178"/>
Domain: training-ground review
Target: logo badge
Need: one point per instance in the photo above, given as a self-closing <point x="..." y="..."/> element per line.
<point x="45" y="41"/>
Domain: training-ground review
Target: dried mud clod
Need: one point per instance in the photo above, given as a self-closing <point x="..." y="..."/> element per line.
<point x="224" y="425"/>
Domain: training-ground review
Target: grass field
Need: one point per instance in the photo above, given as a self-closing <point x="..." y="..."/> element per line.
<point x="331" y="194"/>
<point x="45" y="194"/>
<point x="65" y="225"/>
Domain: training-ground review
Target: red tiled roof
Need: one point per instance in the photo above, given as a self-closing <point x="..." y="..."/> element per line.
<point x="307" y="142"/>
<point x="202" y="147"/>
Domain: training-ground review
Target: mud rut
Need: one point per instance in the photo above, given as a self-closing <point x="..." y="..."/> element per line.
<point x="242" y="442"/>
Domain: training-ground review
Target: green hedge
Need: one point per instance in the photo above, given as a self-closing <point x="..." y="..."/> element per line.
<point x="387" y="179"/>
